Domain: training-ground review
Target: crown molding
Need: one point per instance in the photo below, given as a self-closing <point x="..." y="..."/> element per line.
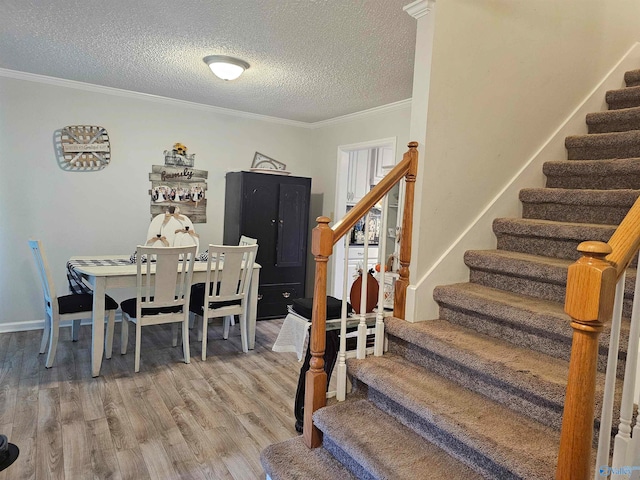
<point x="60" y="82"/>
<point x="419" y="8"/>
<point x="364" y="113"/>
<point x="89" y="87"/>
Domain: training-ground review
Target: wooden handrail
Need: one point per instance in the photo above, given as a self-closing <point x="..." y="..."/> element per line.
<point x="591" y="283"/>
<point x="322" y="241"/>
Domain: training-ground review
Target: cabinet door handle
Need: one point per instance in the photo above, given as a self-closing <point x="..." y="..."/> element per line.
<point x="259" y="296"/>
<point x="286" y="294"/>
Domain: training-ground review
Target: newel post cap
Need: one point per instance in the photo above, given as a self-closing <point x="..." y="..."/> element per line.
<point x="322" y="238"/>
<point x="591" y="283"/>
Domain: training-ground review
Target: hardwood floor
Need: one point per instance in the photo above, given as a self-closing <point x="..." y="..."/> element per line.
<point x="206" y="420"/>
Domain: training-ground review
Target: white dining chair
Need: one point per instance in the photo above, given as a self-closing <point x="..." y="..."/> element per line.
<point x="74" y="307"/>
<point x="163" y="290"/>
<point x="244" y="240"/>
<point x="225" y="292"/>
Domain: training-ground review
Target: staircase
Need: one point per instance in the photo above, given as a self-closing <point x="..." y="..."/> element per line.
<point x="479" y="392"/>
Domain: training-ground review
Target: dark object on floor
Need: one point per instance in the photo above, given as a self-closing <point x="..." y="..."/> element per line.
<point x="8" y="452"/>
<point x="330" y="357"/>
<point x="304" y="307"/>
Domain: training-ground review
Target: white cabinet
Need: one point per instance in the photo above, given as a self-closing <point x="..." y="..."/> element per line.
<point x="359" y="176"/>
<point x="356" y="260"/>
<point x="382" y="161"/>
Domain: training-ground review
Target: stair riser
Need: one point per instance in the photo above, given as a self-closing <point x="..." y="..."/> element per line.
<point x="345" y="459"/>
<point x="532" y="287"/>
<point x="602" y="215"/>
<point x="614" y="126"/>
<point x="540" y="340"/>
<point x="632" y="78"/>
<point x="450" y="443"/>
<point x="595" y="182"/>
<point x="525" y="403"/>
<point x="623" y="102"/>
<point x="603" y="152"/>
<point x="549" y="247"/>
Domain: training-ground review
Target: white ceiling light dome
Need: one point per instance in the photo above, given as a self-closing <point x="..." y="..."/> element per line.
<point x="226" y="68"/>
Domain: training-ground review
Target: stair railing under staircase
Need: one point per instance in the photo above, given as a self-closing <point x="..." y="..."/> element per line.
<point x="323" y="240"/>
<point x="595" y="293"/>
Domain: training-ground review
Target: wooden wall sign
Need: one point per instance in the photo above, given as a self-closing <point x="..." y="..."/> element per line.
<point x="85" y="147"/>
<point x="179" y="186"/>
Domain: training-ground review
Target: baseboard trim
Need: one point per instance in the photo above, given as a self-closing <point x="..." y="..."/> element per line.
<point x="29" y="325"/>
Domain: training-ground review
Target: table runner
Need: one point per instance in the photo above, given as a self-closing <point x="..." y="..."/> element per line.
<point x="77" y="283"/>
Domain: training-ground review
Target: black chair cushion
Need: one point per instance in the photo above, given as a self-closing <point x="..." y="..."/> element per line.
<point x="129" y="307"/>
<point x="82" y="302"/>
<point x="196" y="304"/>
<point x="304" y="307"/>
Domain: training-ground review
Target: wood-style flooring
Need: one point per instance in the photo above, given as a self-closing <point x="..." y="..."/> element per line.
<point x="205" y="420"/>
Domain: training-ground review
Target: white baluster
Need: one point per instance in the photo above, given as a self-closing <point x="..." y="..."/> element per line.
<point x="378" y="346"/>
<point x="622" y="453"/>
<point x="361" y="351"/>
<point x="606" y="418"/>
<point x="342" y="356"/>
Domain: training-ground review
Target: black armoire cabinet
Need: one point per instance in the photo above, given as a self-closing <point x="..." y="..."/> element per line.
<point x="275" y="210"/>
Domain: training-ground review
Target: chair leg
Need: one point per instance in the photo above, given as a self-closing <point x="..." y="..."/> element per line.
<point x="174" y="335"/>
<point x="108" y="341"/>
<point x="75" y="330"/>
<point x="243" y="333"/>
<point x="185" y="341"/>
<point x="53" y="341"/>
<point x="45" y="333"/>
<point x="124" y="334"/>
<point x="226" y="321"/>
<point x="138" y="335"/>
<point x="232" y="320"/>
<point x="203" y="332"/>
<point x="200" y="319"/>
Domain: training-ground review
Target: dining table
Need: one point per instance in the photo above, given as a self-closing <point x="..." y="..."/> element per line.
<point x="101" y="273"/>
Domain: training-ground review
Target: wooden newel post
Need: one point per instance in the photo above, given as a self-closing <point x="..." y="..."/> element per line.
<point x="400" y="294"/>
<point x="591" y="283"/>
<point x="316" y="378"/>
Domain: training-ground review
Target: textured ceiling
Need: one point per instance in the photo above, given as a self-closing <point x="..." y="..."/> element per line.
<point x="311" y="60"/>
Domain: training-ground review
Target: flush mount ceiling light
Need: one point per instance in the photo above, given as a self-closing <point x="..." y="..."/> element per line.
<point x="226" y="68"/>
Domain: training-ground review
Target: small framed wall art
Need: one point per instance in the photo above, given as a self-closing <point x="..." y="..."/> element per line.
<point x="84" y="147"/>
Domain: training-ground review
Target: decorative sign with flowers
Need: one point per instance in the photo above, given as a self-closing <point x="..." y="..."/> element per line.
<point x="177" y="183"/>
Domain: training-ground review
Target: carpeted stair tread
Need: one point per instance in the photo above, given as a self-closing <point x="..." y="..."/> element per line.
<point x="463" y="422"/>
<point x="607" y="207"/>
<point x="620" y="120"/>
<point x="522" y="320"/>
<point x="623" y="98"/>
<point x="374" y="442"/>
<point x="534" y="275"/>
<point x="292" y="460"/>
<point x="610" y="174"/>
<point x="632" y="78"/>
<point x="530" y="382"/>
<point x="596" y="146"/>
<point x="547" y="237"/>
<point x="571" y="196"/>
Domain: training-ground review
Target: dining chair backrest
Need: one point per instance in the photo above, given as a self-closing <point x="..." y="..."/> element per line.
<point x="164" y="280"/>
<point x="44" y="272"/>
<point x="229" y="269"/>
<point x="244" y="240"/>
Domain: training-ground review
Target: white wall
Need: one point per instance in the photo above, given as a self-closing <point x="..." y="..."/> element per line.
<point x="327" y="137"/>
<point x="84" y="213"/>
<point x="505" y="75"/>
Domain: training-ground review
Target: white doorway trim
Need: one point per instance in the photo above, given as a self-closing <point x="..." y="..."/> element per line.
<point x="340" y="204"/>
